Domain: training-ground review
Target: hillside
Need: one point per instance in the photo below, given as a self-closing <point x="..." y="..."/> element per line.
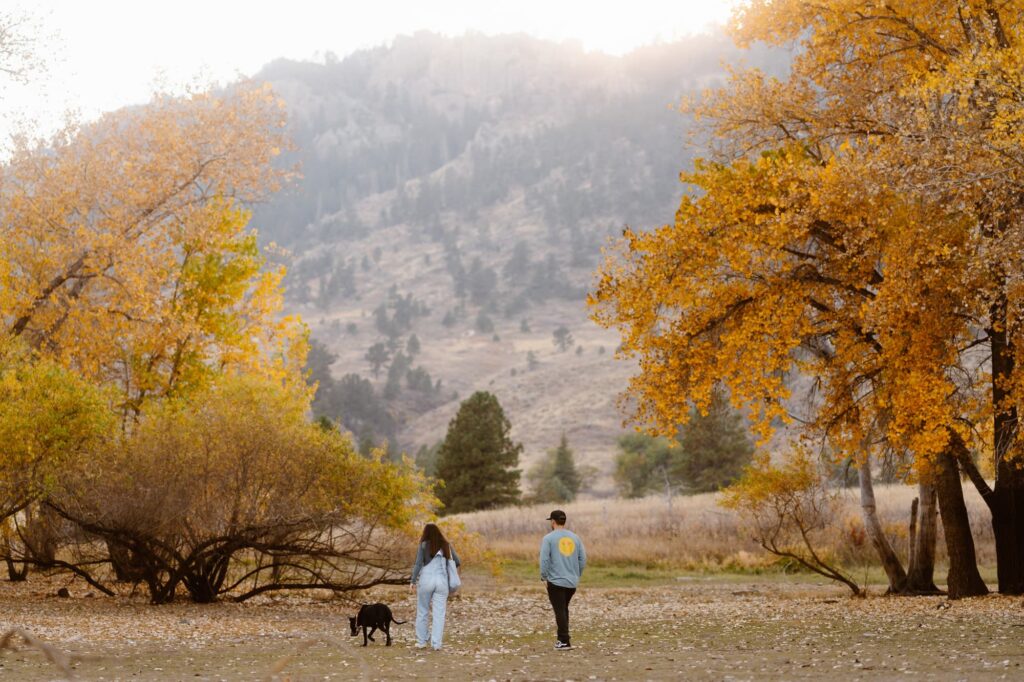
<point x="459" y="190"/>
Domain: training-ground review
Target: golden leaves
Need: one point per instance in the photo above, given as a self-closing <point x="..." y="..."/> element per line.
<point x="858" y="221"/>
<point x="126" y="252"/>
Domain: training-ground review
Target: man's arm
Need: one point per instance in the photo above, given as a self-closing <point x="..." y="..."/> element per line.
<point x="581" y="555"/>
<point x="545" y="560"/>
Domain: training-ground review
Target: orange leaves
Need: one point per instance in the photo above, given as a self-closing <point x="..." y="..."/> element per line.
<point x="859" y="221"/>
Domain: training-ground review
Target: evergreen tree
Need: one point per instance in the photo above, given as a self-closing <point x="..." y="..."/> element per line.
<point x="565" y="467"/>
<point x="708" y="454"/>
<point x="377" y="355"/>
<point x="531" y="361"/>
<point x="555" y="478"/>
<point x="715" y="448"/>
<point x="477" y="460"/>
<point x="426" y="458"/>
<point x="412" y="346"/>
<point x="562" y="338"/>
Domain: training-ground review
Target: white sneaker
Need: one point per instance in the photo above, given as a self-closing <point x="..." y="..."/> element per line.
<point x="421" y="645"/>
<point x="561" y="646"/>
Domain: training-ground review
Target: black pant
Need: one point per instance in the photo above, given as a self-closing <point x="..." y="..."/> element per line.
<point x="560" y="598"/>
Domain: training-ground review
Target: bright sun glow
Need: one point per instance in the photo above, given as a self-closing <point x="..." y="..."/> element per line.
<point x="109" y="54"/>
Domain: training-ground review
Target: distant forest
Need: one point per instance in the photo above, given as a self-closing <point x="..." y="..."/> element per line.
<point x="431" y="132"/>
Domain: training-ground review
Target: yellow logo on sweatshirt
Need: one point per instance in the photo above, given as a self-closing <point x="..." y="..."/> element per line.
<point x="566" y="546"/>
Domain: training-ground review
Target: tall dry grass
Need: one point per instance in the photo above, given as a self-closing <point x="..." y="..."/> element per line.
<point x="699" y="534"/>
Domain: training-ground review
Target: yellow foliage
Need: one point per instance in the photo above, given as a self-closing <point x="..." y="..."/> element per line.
<point x="125" y="252"/>
<point x="860" y="222"/>
<point x="48" y="417"/>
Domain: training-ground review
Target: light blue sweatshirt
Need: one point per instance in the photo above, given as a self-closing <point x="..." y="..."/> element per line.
<point x="562" y="558"/>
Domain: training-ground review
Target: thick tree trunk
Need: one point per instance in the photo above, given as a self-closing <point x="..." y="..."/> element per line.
<point x="1007" y="500"/>
<point x="1007" y="504"/>
<point x="963" y="579"/>
<point x="921" y="569"/>
<point x="890" y="562"/>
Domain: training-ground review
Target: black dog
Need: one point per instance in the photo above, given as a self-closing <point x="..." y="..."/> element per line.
<point x="376" y="617"/>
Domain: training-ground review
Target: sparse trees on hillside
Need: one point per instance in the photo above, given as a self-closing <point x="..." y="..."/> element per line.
<point x="518" y="264"/>
<point x="377" y="355"/>
<point x="562" y="338"/>
<point x="532" y="362"/>
<point x="412" y="346"/>
<point x="484" y="324"/>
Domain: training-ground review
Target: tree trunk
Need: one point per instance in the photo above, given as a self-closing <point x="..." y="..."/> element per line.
<point x="890" y="562"/>
<point x="1007" y="505"/>
<point x="1007" y="500"/>
<point x="912" y="535"/>
<point x="127" y="569"/>
<point x="921" y="571"/>
<point x="14" y="574"/>
<point x="963" y="579"/>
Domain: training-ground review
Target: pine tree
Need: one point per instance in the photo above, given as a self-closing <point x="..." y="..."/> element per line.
<point x="562" y="338"/>
<point x="715" y="448"/>
<point x="477" y="461"/>
<point x="565" y="468"/>
<point x="412" y="346"/>
<point x="555" y="478"/>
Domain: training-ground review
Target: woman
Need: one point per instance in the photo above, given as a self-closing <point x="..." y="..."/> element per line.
<point x="431" y="572"/>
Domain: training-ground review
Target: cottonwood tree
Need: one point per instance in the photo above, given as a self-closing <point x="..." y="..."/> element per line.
<point x="865" y="232"/>
<point x="20" y="49"/>
<point x="125" y="251"/>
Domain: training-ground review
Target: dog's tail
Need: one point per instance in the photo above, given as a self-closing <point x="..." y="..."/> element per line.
<point x="398" y="622"/>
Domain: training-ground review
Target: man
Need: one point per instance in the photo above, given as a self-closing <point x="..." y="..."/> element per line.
<point x="562" y="559"/>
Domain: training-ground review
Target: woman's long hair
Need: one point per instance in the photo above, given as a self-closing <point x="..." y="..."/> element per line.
<point x="434" y="538"/>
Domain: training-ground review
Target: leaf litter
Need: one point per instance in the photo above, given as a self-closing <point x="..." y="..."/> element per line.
<point x="710" y="630"/>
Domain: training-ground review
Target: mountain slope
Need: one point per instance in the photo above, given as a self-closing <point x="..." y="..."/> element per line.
<point x="459" y="190"/>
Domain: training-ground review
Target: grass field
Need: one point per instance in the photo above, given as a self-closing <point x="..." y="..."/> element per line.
<point x="697" y="534"/>
<point x="625" y="627"/>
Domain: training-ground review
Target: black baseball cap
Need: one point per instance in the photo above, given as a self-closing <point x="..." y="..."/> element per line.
<point x="558" y="516"/>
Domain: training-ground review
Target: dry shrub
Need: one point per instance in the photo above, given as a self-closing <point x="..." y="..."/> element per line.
<point x="788" y="508"/>
<point x="236" y="492"/>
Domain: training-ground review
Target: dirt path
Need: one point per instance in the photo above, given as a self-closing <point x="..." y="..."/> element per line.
<point x="692" y="629"/>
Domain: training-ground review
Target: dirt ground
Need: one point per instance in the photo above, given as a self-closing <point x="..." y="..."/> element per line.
<point x="722" y="628"/>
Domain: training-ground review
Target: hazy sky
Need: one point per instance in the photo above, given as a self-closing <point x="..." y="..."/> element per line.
<point x="106" y="54"/>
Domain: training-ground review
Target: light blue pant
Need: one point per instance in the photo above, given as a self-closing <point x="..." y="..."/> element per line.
<point x="431" y="592"/>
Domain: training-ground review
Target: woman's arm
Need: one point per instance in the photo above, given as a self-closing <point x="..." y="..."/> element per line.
<point x="418" y="566"/>
<point x="455" y="556"/>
